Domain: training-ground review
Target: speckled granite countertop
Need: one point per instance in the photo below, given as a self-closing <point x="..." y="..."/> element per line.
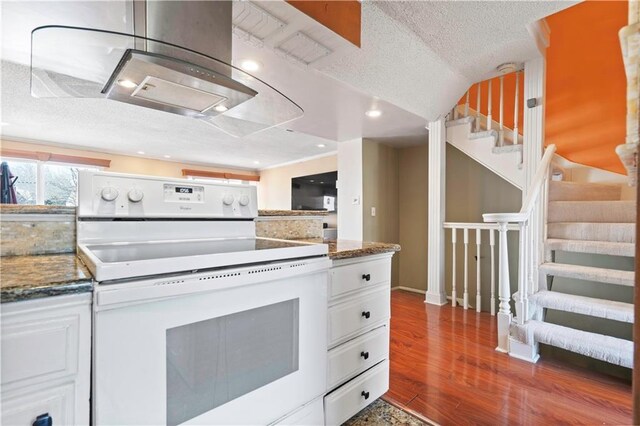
<point x="33" y="277"/>
<point x="292" y="212"/>
<point x="346" y="249"/>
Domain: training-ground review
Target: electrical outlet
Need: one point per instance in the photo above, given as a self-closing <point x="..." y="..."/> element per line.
<point x="373" y="211"/>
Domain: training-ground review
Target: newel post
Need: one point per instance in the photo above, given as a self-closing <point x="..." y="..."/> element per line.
<point x="504" y="290"/>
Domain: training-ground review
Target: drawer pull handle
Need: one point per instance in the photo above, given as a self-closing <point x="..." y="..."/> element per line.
<point x="364" y="355"/>
<point x="43" y="420"/>
<point x="366" y="277"/>
<point x="365" y="394"/>
<point x="366" y="314"/>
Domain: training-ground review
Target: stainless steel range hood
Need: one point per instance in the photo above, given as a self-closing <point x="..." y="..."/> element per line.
<point x="177" y="61"/>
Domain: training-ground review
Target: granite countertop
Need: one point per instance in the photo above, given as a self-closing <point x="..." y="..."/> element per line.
<point x="33" y="277"/>
<point x="292" y="212"/>
<point x="346" y="249"/>
<point x="33" y="209"/>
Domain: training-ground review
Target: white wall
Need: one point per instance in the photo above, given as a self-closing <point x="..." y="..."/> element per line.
<point x="274" y="191"/>
<point x="350" y="223"/>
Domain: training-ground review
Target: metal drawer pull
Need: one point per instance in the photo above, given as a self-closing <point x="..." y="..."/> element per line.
<point x="365" y="394"/>
<point x="364" y="355"/>
<point x="366" y="277"/>
<point x="366" y="314"/>
<point x="43" y="420"/>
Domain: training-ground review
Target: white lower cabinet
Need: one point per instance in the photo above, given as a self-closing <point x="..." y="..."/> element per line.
<point x="46" y="360"/>
<point x="358" y="327"/>
<point x="347" y="400"/>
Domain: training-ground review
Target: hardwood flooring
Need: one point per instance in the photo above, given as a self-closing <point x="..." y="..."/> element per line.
<point x="444" y="366"/>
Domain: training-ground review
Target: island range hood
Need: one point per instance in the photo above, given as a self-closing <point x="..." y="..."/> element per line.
<point x="177" y="60"/>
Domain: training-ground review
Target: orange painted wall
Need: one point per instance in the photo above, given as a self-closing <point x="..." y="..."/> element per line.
<point x="586" y="84"/>
<point x="509" y="99"/>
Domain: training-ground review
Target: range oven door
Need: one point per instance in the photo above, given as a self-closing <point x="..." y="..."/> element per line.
<point x="242" y="346"/>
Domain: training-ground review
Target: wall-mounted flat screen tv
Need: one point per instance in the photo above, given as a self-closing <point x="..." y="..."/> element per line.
<point x="315" y="192"/>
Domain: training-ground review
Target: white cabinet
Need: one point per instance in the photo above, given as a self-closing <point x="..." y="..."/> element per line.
<point x="358" y="329"/>
<point x="46" y="360"/>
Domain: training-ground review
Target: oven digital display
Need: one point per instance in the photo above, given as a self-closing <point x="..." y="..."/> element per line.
<point x="183" y="194"/>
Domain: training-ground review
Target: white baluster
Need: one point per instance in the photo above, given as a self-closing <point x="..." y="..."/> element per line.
<point x="465" y="295"/>
<point x="523" y="296"/>
<point x="501" y="132"/>
<point x="489" y="118"/>
<point x="455" y="112"/>
<point x="466" y="105"/>
<point x="515" y="117"/>
<point x="492" y="244"/>
<point x="478" y="296"/>
<point x="478" y="104"/>
<point x="454" y="293"/>
<point x="504" y="291"/>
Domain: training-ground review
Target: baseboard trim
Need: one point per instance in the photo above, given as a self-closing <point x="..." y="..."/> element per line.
<point x="412" y="290"/>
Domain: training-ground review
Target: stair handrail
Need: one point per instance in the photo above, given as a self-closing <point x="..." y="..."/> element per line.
<point x="521" y="218"/>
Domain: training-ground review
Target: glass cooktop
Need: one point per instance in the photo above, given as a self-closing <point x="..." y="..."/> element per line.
<point x="133" y="252"/>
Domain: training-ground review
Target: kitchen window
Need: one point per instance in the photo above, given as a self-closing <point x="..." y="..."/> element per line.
<point x="45" y="183"/>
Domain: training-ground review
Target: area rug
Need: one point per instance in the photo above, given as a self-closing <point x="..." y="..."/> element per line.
<point x="381" y="412"/>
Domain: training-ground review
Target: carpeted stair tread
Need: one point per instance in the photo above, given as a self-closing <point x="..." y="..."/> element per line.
<point x="605" y="348"/>
<point x="483" y="134"/>
<point x="594" y="247"/>
<point x="602" y="231"/>
<point x="617" y="311"/>
<point x="589" y="273"/>
<point x="576" y="191"/>
<point x="592" y="211"/>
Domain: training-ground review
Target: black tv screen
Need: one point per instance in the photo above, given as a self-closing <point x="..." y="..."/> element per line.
<point x="315" y="192"/>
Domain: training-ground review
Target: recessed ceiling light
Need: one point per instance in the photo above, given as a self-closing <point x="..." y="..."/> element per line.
<point x="321" y="145"/>
<point x="127" y="83"/>
<point x="141" y="152"/>
<point x="250" y="65"/>
<point x="166" y="156"/>
<point x="256" y="162"/>
<point x="373" y="113"/>
<point x="311" y="180"/>
<point x="220" y="108"/>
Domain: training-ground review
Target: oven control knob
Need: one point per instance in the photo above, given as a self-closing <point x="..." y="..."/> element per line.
<point x="135" y="195"/>
<point x="109" y="193"/>
<point x="244" y="200"/>
<point x="228" y="199"/>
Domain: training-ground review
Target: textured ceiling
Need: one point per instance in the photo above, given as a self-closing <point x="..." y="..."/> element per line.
<point x="474" y="37"/>
<point x="423" y="55"/>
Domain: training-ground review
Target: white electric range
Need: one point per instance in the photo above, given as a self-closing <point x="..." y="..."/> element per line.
<point x="197" y="321"/>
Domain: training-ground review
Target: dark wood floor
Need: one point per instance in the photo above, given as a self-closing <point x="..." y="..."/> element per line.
<point x="444" y="366"/>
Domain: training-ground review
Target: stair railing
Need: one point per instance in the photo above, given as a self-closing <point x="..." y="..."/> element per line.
<point x="485" y="110"/>
<point x="525" y="259"/>
<point x="475" y="230"/>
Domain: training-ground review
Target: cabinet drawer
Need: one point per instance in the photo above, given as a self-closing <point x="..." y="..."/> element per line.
<point x="356" y="394"/>
<point x="358" y="314"/>
<point x="40" y="350"/>
<point x="356" y="276"/>
<point x="21" y="409"/>
<point x="357" y="355"/>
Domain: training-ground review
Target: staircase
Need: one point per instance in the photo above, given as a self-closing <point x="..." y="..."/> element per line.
<point x="489" y="142"/>
<point x="584" y="218"/>
<point x="581" y="227"/>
